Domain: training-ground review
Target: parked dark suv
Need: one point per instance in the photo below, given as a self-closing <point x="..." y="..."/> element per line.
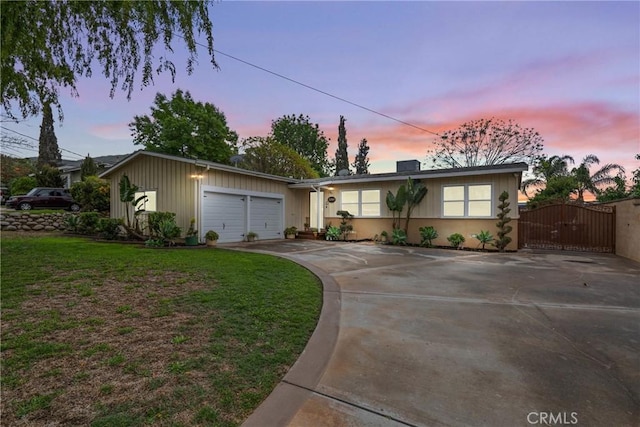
<point x="48" y="198"/>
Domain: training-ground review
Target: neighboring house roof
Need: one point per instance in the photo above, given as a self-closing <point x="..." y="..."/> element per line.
<point x="197" y="162"/>
<point x="314" y="183"/>
<point x="101" y="161"/>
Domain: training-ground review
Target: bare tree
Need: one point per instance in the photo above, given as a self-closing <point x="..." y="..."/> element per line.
<point x="486" y="142"/>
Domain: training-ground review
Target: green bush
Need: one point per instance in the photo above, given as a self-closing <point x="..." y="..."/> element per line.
<point x="333" y="233"/>
<point x="88" y="222"/>
<point x="49" y="176"/>
<point x="168" y="231"/>
<point x="484" y="237"/>
<point x="156" y="218"/>
<point x="428" y="234"/>
<point x="22" y="185"/>
<point x="503" y="219"/>
<point x="456" y="240"/>
<point x="109" y="228"/>
<point x="72" y="221"/>
<point x="398" y="237"/>
<point x="93" y="194"/>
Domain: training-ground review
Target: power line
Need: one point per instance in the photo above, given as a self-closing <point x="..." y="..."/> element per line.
<point x="235" y="58"/>
<point x="30" y="137"/>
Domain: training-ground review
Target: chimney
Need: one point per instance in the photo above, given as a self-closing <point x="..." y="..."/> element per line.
<point x="407" y="166"/>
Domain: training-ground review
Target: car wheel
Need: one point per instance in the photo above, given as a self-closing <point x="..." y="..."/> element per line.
<point x="25" y="206"/>
<point x="74" y="207"/>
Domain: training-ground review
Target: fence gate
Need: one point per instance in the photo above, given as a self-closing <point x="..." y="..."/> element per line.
<point x="568" y="227"/>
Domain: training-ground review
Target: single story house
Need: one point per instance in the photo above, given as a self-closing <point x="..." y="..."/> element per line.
<point x="234" y="201"/>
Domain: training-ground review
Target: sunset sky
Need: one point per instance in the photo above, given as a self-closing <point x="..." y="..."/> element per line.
<point x="570" y="70"/>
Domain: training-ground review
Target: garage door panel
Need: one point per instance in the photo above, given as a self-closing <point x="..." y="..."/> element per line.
<point x="226" y="214"/>
<point x="266" y="217"/>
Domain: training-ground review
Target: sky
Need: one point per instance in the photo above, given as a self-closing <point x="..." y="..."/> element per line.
<point x="569" y="70"/>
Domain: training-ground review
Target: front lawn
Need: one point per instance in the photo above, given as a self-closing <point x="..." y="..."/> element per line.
<point x="109" y="334"/>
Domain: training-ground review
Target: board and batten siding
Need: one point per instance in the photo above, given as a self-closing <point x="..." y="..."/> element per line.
<point x="176" y="187"/>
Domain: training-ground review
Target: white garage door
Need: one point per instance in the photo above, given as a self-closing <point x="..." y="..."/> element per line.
<point x="233" y="215"/>
<point x="226" y="214"/>
<point x="265" y="217"/>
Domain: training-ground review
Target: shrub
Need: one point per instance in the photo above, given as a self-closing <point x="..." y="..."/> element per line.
<point x="109" y="228"/>
<point x="168" y="231"/>
<point x="398" y="237"/>
<point x="484" y="237"/>
<point x="49" y="176"/>
<point x="72" y="222"/>
<point x="456" y="240"/>
<point x="333" y="233"/>
<point x="22" y="185"/>
<point x="428" y="234"/>
<point x="211" y="235"/>
<point x="156" y="218"/>
<point x="503" y="219"/>
<point x="88" y="222"/>
<point x="93" y="194"/>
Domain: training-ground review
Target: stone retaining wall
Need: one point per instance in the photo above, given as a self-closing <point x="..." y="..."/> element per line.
<point x="14" y="221"/>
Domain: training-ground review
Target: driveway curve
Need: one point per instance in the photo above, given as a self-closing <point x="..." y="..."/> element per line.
<point x="429" y="337"/>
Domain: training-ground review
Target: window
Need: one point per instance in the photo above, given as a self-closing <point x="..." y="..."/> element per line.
<point x="361" y="202"/>
<point x="467" y="200"/>
<point x="149" y="204"/>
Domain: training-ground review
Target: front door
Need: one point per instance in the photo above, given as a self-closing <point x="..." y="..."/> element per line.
<point x="316" y="210"/>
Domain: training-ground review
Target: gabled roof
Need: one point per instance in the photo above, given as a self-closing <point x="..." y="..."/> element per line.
<point x="423" y="174"/>
<point x="317" y="182"/>
<point x="197" y="162"/>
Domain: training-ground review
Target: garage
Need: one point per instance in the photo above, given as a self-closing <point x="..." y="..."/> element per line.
<point x="233" y="215"/>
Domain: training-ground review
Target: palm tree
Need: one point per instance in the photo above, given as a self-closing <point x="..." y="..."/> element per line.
<point x="586" y="181"/>
<point x="547" y="168"/>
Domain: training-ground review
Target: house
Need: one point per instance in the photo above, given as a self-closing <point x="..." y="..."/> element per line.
<point x="71" y="170"/>
<point x="234" y="201"/>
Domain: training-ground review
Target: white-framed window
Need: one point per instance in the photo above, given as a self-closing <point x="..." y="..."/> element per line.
<point x="361" y="202"/>
<point x="149" y="204"/>
<point x="467" y="200"/>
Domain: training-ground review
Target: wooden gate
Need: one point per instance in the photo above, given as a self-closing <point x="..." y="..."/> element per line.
<point x="568" y="227"/>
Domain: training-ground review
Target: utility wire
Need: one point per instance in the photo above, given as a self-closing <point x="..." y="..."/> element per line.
<point x="30" y="137"/>
<point x="235" y="58"/>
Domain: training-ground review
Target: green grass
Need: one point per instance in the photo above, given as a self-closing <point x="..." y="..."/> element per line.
<point x="208" y="333"/>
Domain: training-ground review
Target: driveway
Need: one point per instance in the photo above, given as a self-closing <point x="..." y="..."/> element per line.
<point x="428" y="337"/>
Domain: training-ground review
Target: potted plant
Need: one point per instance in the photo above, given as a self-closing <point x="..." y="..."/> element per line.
<point x="211" y="238"/>
<point x="191" y="238"/>
<point x="251" y="236"/>
<point x="290" y="232"/>
<point x="384" y="236"/>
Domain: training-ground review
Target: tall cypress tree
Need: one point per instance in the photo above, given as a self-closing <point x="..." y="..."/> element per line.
<point x="342" y="157"/>
<point x="48" y="151"/>
<point x="361" y="163"/>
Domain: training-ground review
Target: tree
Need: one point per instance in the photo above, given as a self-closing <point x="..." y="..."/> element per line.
<point x="615" y="192"/>
<point x="342" y="156"/>
<point x="586" y="181"/>
<point x="635" y="188"/>
<point x="415" y="192"/>
<point x="503" y="219"/>
<point x="22" y="185"/>
<point x="547" y="168"/>
<point x="486" y="142"/>
<point x="268" y="156"/>
<point x="49" y="176"/>
<point x="13" y="168"/>
<point x="395" y="203"/>
<point x="88" y="168"/>
<point x="182" y="127"/>
<point x="361" y="163"/>
<point x="557" y="190"/>
<point x="48" y="45"/>
<point x="305" y="138"/>
<point x="48" y="150"/>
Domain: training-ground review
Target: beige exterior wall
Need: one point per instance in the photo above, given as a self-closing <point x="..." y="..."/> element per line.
<point x="176" y="189"/>
<point x="429" y="211"/>
<point x="628" y="228"/>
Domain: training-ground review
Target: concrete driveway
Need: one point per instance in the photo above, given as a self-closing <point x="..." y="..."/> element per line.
<point x="428" y="337"/>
